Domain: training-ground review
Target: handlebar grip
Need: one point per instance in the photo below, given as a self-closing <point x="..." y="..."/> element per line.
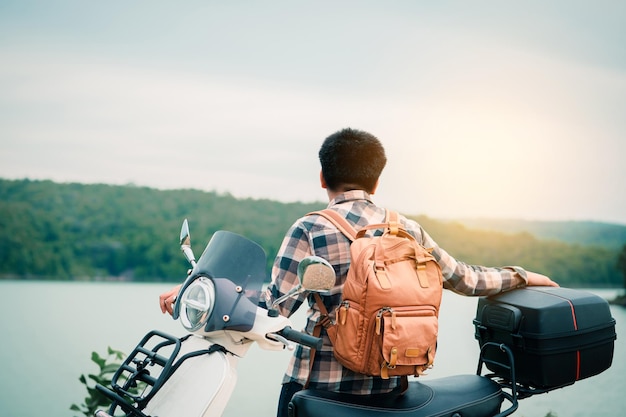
<point x="301" y="338"/>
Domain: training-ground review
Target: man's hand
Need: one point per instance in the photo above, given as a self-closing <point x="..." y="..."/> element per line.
<point x="538" y="280"/>
<point x="167" y="300"/>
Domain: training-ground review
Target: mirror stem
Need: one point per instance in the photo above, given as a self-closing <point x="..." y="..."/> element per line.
<point x="189" y="255"/>
<point x="291" y="292"/>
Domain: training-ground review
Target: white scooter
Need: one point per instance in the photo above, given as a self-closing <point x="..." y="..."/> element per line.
<point x="194" y="376"/>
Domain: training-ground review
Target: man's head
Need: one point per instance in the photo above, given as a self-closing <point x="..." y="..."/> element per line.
<point x="352" y="160"/>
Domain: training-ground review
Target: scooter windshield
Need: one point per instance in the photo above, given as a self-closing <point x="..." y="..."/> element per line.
<point x="236" y="267"/>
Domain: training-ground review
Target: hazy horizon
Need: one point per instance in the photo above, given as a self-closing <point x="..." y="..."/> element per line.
<point x="470" y="219"/>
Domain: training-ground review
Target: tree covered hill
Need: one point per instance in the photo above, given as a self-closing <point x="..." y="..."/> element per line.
<point x="576" y="232"/>
<point x="85" y="232"/>
<point x="76" y="231"/>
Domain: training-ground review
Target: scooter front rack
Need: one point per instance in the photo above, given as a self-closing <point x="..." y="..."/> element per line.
<point x="143" y="373"/>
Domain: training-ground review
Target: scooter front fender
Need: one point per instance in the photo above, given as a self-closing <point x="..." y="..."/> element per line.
<point x="200" y="387"/>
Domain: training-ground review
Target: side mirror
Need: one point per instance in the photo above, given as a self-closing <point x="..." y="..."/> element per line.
<point x="315" y="274"/>
<point x="185" y="244"/>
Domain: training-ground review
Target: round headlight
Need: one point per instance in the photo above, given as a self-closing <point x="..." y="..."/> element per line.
<point x="197" y="304"/>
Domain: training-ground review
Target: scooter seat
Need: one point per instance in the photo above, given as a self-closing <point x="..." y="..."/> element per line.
<point x="459" y="395"/>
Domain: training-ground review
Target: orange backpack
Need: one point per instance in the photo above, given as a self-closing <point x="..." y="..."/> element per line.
<point x="387" y="322"/>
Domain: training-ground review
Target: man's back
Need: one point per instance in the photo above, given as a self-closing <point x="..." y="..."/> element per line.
<point x="316" y="235"/>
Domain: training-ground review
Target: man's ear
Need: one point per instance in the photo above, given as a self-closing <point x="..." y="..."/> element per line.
<point x="374" y="188"/>
<point x="323" y="181"/>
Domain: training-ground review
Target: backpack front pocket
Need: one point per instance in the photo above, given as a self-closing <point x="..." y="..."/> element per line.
<point x="408" y="338"/>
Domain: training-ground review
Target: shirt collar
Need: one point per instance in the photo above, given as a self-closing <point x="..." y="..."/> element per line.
<point x="351" y="195"/>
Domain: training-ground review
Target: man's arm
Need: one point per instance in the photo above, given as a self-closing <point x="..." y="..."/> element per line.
<point x="480" y="280"/>
<point x="294" y="247"/>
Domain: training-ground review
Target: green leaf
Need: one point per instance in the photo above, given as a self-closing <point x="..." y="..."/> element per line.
<point x="119" y="355"/>
<point x="96" y="399"/>
<point x="98" y="359"/>
<point x="96" y="378"/>
<point x="110" y="368"/>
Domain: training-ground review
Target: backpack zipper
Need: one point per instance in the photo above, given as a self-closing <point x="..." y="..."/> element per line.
<point x="343" y="312"/>
<point x="379" y="317"/>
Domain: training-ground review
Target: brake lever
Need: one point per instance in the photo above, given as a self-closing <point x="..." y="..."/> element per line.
<point x="281" y="339"/>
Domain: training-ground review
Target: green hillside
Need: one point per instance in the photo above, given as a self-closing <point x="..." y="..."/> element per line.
<point x="577" y="232"/>
<point x="85" y="232"/>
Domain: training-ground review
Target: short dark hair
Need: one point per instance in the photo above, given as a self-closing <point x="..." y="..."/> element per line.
<point x="352" y="159"/>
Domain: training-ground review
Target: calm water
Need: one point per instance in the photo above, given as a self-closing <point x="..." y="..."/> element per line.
<point x="50" y="329"/>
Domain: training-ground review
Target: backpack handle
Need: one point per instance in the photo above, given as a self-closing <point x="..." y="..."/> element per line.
<point x="391" y="225"/>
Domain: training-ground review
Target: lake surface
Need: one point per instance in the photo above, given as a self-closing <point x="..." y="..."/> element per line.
<point x="50" y="329"/>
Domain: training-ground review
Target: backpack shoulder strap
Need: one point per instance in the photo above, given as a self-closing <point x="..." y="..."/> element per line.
<point x="391" y="224"/>
<point x="339" y="221"/>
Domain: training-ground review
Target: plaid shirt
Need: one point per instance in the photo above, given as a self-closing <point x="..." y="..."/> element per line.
<point x="314" y="235"/>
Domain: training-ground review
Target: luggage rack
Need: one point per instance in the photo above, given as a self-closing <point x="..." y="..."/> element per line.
<point x="518" y="391"/>
<point x="144" y="372"/>
<point x="510" y="383"/>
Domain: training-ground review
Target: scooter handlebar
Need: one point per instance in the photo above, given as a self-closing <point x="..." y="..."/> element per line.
<point x="301" y="338"/>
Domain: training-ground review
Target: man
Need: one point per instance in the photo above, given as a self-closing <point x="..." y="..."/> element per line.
<point x="351" y="164"/>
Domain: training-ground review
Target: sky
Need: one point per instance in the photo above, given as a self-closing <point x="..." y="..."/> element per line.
<point x="486" y="109"/>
